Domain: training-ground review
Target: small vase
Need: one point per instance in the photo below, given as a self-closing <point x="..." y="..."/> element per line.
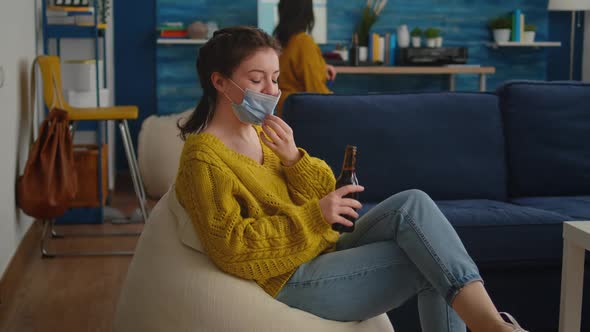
<point x="363" y="53"/>
<point x="431" y="42"/>
<point x="438" y="41"/>
<point x="416" y="41"/>
<point x="403" y="36"/>
<point x="528" y="37"/>
<point x="502" y="35"/>
<point x="343" y="54"/>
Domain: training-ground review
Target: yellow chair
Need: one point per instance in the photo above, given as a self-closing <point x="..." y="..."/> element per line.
<point x="52" y="94"/>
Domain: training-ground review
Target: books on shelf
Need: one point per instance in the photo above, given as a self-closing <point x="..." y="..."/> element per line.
<point x="67" y="15"/>
<point x="173" y="34"/>
<point x="382" y="48"/>
<point x="172" y="30"/>
<point x="79" y="9"/>
<point x="517" y="32"/>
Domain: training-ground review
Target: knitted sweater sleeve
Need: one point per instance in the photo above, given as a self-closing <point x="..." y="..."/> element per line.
<point x="250" y="248"/>
<point x="310" y="178"/>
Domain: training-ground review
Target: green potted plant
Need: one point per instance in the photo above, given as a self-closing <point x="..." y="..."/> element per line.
<point x="431" y="34"/>
<point x="501" y="27"/>
<point x="416" y="34"/>
<point x="369" y="16"/>
<point x="529" y="33"/>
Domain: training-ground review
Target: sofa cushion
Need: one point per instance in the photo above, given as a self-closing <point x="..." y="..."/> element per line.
<point x="495" y="231"/>
<point x="449" y="145"/>
<point x="499" y="232"/>
<point x="547" y="127"/>
<point x="576" y="207"/>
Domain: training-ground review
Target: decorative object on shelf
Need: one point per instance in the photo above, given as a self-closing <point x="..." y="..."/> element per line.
<point x="573" y="6"/>
<point x="529" y="33"/>
<point x="439" y="41"/>
<point x="211" y="28"/>
<point x="431" y="35"/>
<point x="403" y="36"/>
<point x="104" y="10"/>
<point x="342" y="51"/>
<point x="416" y="34"/>
<point x="354" y="50"/>
<point x="197" y="30"/>
<point x="501" y="27"/>
<point x="369" y="16"/>
<point x="363" y="53"/>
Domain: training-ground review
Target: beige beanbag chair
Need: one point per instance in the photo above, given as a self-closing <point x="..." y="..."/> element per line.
<point x="172" y="286"/>
<point x="158" y="152"/>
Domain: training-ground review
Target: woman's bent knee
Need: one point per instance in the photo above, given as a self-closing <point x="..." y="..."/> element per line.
<point x="414" y="194"/>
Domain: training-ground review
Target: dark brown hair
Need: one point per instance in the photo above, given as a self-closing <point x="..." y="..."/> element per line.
<point x="223" y="53"/>
<point x="295" y="16"/>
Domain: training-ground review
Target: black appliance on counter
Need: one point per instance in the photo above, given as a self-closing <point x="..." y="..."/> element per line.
<point x="426" y="56"/>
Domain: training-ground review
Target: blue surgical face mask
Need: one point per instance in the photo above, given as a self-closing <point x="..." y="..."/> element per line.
<point x="255" y="106"/>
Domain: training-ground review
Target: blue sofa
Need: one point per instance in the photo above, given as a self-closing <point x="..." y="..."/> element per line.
<point x="507" y="169"/>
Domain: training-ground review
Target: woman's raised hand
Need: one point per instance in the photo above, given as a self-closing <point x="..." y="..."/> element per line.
<point x="278" y="136"/>
<point x="330" y="73"/>
<point x="334" y="205"/>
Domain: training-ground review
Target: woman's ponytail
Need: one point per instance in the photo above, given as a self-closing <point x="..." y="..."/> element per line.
<point x="197" y="120"/>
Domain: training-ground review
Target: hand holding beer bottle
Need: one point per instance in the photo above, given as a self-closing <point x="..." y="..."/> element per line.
<point x="339" y="207"/>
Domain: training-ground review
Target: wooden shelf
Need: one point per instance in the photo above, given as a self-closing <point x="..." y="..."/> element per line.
<point x="400" y="70"/>
<point x="181" y="41"/>
<point x="75" y="31"/>
<point x="521" y="44"/>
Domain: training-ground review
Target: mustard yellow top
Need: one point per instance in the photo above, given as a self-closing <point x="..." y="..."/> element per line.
<point x="303" y="68"/>
<point x="257" y="222"/>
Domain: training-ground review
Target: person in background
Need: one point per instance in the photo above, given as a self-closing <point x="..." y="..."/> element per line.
<point x="303" y="68"/>
<point x="263" y="209"/>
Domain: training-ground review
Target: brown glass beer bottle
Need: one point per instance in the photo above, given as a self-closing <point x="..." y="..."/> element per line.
<point x="347" y="176"/>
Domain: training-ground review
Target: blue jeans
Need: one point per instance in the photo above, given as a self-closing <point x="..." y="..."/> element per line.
<point x="401" y="248"/>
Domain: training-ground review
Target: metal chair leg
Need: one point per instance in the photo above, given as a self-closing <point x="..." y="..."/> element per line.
<point x="134" y="160"/>
<point x="45" y="253"/>
<point x="133" y="168"/>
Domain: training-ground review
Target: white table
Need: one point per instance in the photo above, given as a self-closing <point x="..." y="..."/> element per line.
<point x="576" y="240"/>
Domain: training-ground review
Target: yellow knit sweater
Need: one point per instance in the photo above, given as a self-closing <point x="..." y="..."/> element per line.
<point x="303" y="68"/>
<point x="257" y="222"/>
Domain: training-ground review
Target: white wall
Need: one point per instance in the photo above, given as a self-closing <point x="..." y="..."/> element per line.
<point x="16" y="55"/>
<point x="586" y="54"/>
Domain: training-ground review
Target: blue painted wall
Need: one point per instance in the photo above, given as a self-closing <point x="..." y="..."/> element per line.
<point x="162" y="79"/>
<point x="463" y="23"/>
<point x="135" y="63"/>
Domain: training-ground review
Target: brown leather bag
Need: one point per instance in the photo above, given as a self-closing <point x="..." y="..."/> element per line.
<point x="49" y="181"/>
